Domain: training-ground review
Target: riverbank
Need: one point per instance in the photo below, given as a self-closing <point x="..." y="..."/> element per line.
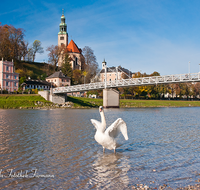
<point x="35" y="101"/>
<point x="23" y="101"/>
<point x="129" y="103"/>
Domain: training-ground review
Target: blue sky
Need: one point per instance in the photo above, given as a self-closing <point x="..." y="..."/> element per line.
<point x="140" y="35"/>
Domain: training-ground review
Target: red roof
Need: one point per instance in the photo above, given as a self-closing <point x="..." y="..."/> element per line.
<point x="72" y="47"/>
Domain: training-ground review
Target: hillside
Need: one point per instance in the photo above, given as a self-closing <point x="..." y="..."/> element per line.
<point x="34" y="70"/>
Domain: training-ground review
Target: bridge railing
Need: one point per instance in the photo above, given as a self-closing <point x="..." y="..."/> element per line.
<point x="153" y="80"/>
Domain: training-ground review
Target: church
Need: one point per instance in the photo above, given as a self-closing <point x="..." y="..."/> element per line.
<point x="75" y="54"/>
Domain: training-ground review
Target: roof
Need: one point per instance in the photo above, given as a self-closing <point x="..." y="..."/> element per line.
<point x="113" y="69"/>
<point x="57" y="74"/>
<point x="72" y="47"/>
<point x="35" y="82"/>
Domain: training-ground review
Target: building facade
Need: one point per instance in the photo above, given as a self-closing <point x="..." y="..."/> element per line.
<point x="58" y="79"/>
<point x="114" y="73"/>
<point x="9" y="80"/>
<point x="74" y="52"/>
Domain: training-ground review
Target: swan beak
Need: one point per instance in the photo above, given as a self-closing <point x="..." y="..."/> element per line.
<point x="100" y="109"/>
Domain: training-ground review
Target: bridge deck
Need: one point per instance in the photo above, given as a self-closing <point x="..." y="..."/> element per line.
<point x="144" y="81"/>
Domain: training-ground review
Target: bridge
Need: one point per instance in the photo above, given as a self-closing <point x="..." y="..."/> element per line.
<point x="110" y="95"/>
<point x="143" y="81"/>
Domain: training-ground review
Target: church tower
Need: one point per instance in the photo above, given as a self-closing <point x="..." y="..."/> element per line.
<point x="62" y="34"/>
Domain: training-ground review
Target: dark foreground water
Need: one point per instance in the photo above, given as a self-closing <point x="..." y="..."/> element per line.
<point x="55" y="149"/>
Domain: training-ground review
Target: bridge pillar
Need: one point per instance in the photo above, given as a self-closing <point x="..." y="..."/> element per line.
<point x="110" y="98"/>
<point x="58" y="98"/>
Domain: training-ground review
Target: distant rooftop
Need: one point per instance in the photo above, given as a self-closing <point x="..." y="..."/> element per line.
<point x="57" y="74"/>
<point x="35" y="82"/>
<point x="120" y="69"/>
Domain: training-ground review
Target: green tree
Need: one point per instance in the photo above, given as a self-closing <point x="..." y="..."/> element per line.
<point x="21" y="80"/>
<point x="77" y="76"/>
<point x="37" y="48"/>
<point x="90" y="65"/>
<point x="66" y="67"/>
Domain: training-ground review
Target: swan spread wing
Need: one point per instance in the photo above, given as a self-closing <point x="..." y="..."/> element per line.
<point x="96" y="123"/>
<point x="118" y="126"/>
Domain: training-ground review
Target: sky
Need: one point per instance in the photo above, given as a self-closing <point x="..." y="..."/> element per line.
<point x="139" y="35"/>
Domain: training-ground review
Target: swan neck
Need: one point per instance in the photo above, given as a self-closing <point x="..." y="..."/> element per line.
<point x="103" y="119"/>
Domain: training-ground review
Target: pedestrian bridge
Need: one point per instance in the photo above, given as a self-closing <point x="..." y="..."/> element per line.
<point x="143" y="81"/>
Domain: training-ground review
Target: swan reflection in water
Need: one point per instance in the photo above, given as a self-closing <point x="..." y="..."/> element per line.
<point x="110" y="170"/>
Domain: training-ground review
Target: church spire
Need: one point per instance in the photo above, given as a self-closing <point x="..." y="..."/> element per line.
<point x="62" y="34"/>
<point x="63" y="25"/>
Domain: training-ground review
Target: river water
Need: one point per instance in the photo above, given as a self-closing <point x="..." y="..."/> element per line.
<point x="55" y="149"/>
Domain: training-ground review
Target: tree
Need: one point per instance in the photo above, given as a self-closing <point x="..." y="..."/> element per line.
<point x="155" y="73"/>
<point x="66" y="67"/>
<point x="37" y="48"/>
<point x="131" y="89"/>
<point x="77" y="76"/>
<point x="55" y="53"/>
<point x="30" y="54"/>
<point x="196" y="89"/>
<point x="24" y="50"/>
<point x="11" y="42"/>
<point x="90" y="63"/>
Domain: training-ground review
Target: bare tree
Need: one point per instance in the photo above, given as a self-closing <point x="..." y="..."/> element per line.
<point x="56" y="53"/>
<point x="24" y="49"/>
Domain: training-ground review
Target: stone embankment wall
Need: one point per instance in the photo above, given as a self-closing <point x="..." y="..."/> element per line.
<point x="49" y="96"/>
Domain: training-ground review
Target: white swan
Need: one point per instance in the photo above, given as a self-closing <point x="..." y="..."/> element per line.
<point x="107" y="137"/>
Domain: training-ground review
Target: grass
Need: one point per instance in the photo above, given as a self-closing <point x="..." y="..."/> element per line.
<point x="158" y="103"/>
<point x="33" y="69"/>
<point x="31" y="101"/>
<point x="92" y="103"/>
<point x="22" y="101"/>
<point x="85" y="102"/>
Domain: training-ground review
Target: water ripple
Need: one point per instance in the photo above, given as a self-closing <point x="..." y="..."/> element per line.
<point x="163" y="147"/>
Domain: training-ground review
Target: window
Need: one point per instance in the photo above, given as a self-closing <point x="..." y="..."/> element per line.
<point x="110" y="79"/>
<point x="15" y="84"/>
<point x="7" y="68"/>
<point x="15" y="76"/>
<point x="55" y="80"/>
<point x="76" y="61"/>
<point x="62" y="38"/>
<point x="7" y="83"/>
<point x="7" y="76"/>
